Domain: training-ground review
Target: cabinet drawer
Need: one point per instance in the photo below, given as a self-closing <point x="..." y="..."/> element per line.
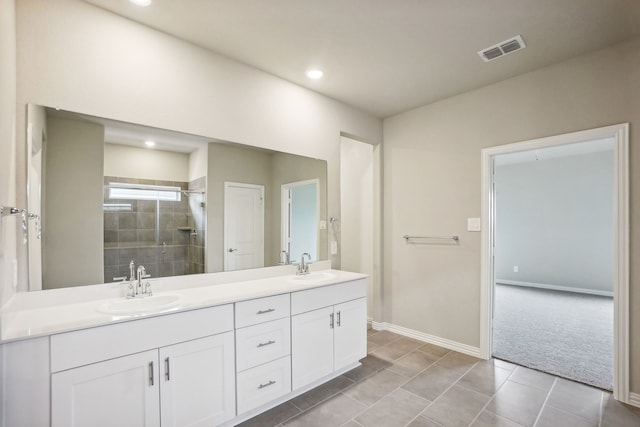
<point x="262" y="310"/>
<point x="91" y="345"/>
<point x="325" y="296"/>
<point x="262" y="343"/>
<point x="263" y="384"/>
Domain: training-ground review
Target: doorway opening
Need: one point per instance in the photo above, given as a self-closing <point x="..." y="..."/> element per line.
<point x="492" y="266"/>
<point x="553" y="260"/>
<point x="300" y="204"/>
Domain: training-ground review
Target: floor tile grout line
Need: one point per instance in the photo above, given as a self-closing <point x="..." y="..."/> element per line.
<point x="400" y="386"/>
<point x="446" y="390"/>
<point x="555" y="381"/>
<point x="484" y="408"/>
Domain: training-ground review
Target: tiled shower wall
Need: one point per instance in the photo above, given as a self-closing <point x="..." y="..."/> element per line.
<point x="155" y="234"/>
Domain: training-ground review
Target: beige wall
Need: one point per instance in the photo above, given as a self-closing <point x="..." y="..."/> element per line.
<point x="198" y="163"/>
<point x="8" y="226"/>
<point x="72" y="226"/>
<point x="432" y="181"/>
<point x="133" y="162"/>
<point x="107" y="66"/>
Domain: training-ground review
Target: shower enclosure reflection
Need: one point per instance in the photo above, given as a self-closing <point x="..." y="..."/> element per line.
<point x="158" y="223"/>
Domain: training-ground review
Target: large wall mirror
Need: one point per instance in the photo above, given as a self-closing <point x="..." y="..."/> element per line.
<point x="110" y="193"/>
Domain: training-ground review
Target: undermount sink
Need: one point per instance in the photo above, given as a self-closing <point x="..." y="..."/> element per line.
<point x="140" y="305"/>
<point x="314" y="277"/>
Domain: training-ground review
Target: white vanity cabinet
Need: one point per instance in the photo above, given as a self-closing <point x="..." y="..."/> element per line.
<point x="79" y="396"/>
<point x="266" y="342"/>
<point x="328" y="330"/>
<point x="197" y="386"/>
<point x="191" y="383"/>
<point x="263" y="347"/>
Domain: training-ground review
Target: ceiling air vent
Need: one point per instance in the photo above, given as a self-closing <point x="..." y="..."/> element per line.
<point x="503" y="48"/>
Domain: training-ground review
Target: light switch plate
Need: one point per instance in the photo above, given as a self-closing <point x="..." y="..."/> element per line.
<point x="323" y="225"/>
<point x="473" y="224"/>
<point x="334" y="247"/>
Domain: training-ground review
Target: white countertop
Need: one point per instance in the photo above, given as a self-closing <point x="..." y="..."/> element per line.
<point x="50" y="315"/>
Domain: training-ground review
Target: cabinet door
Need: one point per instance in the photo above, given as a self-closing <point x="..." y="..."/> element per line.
<point x="198" y="382"/>
<point x="117" y="392"/>
<point x="311" y="346"/>
<point x="350" y="339"/>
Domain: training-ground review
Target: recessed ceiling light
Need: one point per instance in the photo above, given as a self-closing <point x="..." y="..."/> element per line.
<point x="315" y="74"/>
<point x="149" y="143"/>
<point x="141" y="3"/>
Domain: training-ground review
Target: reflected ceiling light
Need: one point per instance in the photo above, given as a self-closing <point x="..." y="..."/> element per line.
<point x="315" y="74"/>
<point x="149" y="143"/>
<point x="141" y="3"/>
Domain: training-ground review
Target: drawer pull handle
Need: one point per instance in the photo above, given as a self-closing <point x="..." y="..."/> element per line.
<point x="151" y="374"/>
<point x="331" y="320"/>
<point x="166" y="369"/>
<point x="268" y="310"/>
<point x="264" y="344"/>
<point x="261" y="386"/>
<point x="338" y="318"/>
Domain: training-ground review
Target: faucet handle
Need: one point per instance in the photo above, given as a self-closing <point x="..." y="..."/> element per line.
<point x="121" y="278"/>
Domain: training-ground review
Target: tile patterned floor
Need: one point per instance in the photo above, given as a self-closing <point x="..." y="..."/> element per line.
<point x="406" y="383"/>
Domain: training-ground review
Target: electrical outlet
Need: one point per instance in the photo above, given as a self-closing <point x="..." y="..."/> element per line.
<point x="323" y="225"/>
<point x="334" y="247"/>
<point x="515" y="269"/>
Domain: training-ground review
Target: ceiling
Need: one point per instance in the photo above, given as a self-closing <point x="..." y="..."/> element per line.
<point x="388" y="56"/>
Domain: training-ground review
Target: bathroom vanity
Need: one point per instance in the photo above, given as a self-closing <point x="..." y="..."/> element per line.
<point x="208" y="355"/>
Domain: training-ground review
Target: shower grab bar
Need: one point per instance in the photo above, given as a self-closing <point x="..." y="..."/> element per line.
<point x="408" y="238"/>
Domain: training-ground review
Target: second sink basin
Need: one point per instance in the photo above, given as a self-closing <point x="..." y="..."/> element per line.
<point x="318" y="276"/>
<point x="140" y="305"/>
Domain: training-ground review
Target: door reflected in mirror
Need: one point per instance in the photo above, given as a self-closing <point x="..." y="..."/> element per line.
<point x="107" y="199"/>
<point x="300" y="219"/>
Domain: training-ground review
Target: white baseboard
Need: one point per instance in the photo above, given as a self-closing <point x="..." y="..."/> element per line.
<point x="634" y="399"/>
<point x="431" y="339"/>
<point x="555" y="288"/>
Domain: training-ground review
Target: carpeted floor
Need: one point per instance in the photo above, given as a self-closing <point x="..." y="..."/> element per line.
<point x="562" y="333"/>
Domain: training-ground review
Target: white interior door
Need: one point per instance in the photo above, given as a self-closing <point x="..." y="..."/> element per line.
<point x="243" y="226"/>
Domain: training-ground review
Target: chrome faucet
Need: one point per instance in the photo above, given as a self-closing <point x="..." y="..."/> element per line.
<point x="140" y="289"/>
<point x="302" y="267"/>
<point x="284" y="258"/>
<point x="132" y="271"/>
